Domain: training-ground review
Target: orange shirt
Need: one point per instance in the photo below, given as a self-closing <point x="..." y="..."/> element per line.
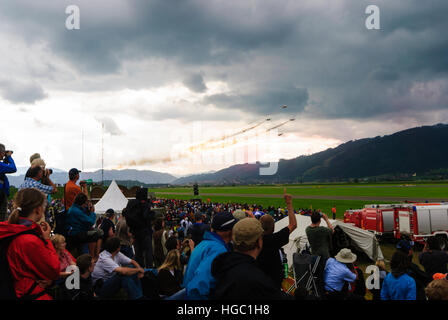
<point x="71" y="191"/>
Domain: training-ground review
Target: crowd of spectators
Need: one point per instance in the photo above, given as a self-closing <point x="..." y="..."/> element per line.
<point x="189" y="250"/>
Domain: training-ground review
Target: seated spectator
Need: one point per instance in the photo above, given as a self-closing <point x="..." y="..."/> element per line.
<point x="125" y="236"/>
<point x="169" y="276"/>
<point x="338" y="274"/>
<point x="237" y="273"/>
<point x="65" y="258"/>
<point x="185" y="249"/>
<point x="86" y="266"/>
<point x="79" y="222"/>
<point x="112" y="269"/>
<point x="108" y="225"/>
<point x="398" y="285"/>
<point x="432" y="258"/>
<point x="33" y="263"/>
<point x="437" y="290"/>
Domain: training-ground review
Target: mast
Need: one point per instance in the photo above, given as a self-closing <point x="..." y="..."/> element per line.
<point x="102" y="154"/>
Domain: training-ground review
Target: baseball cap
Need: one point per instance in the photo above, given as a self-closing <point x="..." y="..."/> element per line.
<point x="223" y="221"/>
<point x="247" y="231"/>
<point x="73" y="172"/>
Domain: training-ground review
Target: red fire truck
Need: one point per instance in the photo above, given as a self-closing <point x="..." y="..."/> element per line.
<point x="417" y="220"/>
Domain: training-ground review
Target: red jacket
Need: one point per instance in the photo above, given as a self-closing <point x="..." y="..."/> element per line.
<point x="30" y="258"/>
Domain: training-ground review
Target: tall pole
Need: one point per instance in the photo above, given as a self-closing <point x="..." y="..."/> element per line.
<point x="102" y="154"/>
<point x="82" y="150"/>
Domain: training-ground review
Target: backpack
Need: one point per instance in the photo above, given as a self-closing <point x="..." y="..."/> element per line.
<point x="7" y="291"/>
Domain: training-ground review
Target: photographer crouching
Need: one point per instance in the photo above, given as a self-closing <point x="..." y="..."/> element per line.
<point x="7" y="165"/>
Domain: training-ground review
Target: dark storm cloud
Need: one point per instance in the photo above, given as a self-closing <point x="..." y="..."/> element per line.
<point x="195" y="82"/>
<point x="268" y="102"/>
<point x="317" y="57"/>
<point x="21" y="92"/>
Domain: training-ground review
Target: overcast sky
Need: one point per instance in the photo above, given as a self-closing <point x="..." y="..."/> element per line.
<point x="167" y="76"/>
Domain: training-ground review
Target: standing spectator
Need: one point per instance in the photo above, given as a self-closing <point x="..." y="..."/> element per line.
<point x="339" y="273"/>
<point x="238" y="275"/>
<point x="432" y="258"/>
<point x="333" y="210"/>
<point x="139" y="217"/>
<point x="169" y="276"/>
<point x="240" y="214"/>
<point x="376" y="293"/>
<point x="31" y="258"/>
<point x="320" y="237"/>
<point x="198" y="280"/>
<point x="108" y="225"/>
<point x="196" y="232"/>
<point x="186" y="225"/>
<point x="7" y="165"/>
<point x="437" y="290"/>
<point x="269" y="258"/>
<point x="398" y="285"/>
<point x="159" y="255"/>
<point x="125" y="236"/>
<point x="71" y="189"/>
<point x="112" y="268"/>
<point x="32" y="178"/>
<point x="420" y="277"/>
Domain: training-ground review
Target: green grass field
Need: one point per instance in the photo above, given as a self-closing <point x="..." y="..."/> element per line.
<point x="327" y="191"/>
<point x="415" y="191"/>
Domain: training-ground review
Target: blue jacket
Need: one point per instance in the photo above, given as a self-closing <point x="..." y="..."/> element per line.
<point x="400" y="288"/>
<point x="198" y="279"/>
<point x="78" y="220"/>
<point x="6" y="168"/>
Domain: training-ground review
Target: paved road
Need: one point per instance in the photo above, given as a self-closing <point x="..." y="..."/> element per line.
<point x="362" y="198"/>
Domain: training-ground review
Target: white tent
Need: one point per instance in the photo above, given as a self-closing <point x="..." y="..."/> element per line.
<point x="113" y="198"/>
<point x="363" y="239"/>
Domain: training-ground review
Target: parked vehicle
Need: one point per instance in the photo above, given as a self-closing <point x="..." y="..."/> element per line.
<point x="416" y="220"/>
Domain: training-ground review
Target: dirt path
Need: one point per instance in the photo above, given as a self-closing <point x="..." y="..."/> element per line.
<point x="362" y="198"/>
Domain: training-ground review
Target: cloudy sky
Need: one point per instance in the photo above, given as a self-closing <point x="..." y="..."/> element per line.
<point x="175" y="83"/>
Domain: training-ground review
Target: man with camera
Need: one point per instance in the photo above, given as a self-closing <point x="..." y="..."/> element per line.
<point x="33" y="177"/>
<point x="7" y="165"/>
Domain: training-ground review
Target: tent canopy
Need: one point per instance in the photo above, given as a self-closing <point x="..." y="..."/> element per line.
<point x="113" y="198"/>
<point x="363" y="239"/>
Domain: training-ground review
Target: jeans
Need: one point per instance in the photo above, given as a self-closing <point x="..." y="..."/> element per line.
<point x="131" y="284"/>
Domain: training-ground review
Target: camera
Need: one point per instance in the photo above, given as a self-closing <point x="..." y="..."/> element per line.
<point x="50" y="171"/>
